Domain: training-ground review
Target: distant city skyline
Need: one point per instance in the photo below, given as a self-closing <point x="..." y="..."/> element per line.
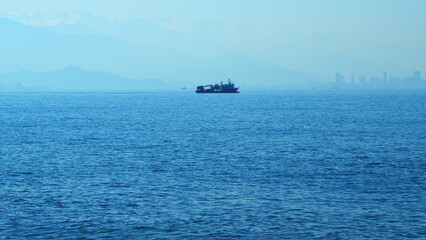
<point x="414" y="81"/>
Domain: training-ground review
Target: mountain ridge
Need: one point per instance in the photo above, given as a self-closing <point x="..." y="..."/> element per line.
<point x="77" y="79"/>
<point x="28" y="46"/>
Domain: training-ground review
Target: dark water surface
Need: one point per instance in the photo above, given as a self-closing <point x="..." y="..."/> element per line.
<point x="277" y="165"/>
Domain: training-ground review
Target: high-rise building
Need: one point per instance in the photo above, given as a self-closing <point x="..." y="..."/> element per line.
<point x="340" y="79"/>
<point x="417" y="75"/>
<point x="385" y="77"/>
<point x="374" y="80"/>
<point x="394" y="81"/>
<point x="362" y="80"/>
<point x="352" y="78"/>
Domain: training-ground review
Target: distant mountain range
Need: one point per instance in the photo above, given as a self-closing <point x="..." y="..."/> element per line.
<point x="41" y="50"/>
<point x="76" y="79"/>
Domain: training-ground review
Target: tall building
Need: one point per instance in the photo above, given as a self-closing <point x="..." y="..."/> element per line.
<point x="374" y="80"/>
<point x="362" y="80"/>
<point x="340" y="79"/>
<point x="417" y="75"/>
<point x="394" y="81"/>
<point x="385" y="77"/>
<point x="352" y="78"/>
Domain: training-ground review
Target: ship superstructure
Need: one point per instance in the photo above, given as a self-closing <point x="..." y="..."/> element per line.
<point x="228" y="87"/>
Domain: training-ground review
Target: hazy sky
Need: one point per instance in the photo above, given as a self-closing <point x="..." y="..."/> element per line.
<point x="394" y="21"/>
<point x="372" y="29"/>
<point x="335" y="14"/>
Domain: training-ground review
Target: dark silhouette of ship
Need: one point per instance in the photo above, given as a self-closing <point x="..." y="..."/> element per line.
<point x="218" y="88"/>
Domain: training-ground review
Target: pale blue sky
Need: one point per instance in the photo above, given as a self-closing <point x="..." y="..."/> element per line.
<point x="403" y="20"/>
<point x="382" y="33"/>
<point x="304" y="12"/>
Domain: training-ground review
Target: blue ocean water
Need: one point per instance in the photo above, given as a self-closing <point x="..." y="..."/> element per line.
<point x="255" y="165"/>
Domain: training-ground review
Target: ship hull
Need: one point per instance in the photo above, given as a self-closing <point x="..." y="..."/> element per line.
<point x="221" y="91"/>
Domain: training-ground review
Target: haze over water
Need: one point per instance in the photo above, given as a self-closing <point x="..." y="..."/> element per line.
<point x="281" y="44"/>
<point x="270" y="165"/>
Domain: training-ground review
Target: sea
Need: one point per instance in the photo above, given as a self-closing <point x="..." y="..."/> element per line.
<point x="293" y="164"/>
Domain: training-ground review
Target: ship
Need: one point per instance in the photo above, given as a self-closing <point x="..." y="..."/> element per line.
<point x="218" y="88"/>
